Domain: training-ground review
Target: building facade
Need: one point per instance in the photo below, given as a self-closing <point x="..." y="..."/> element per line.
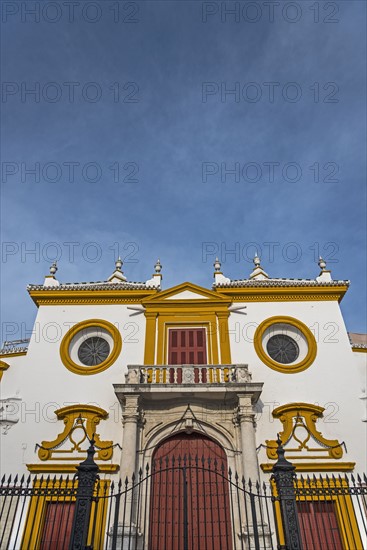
<point x="158" y="375"/>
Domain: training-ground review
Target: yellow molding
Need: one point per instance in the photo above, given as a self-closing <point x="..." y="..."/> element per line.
<point x="306" y="416"/>
<point x="3" y="367"/>
<point x="207" y="295"/>
<point x="99" y="296"/>
<point x="279" y="294"/>
<point x="66" y="341"/>
<point x="314" y="467"/>
<point x="36" y="514"/>
<point x="12" y="354"/>
<point x="280" y="367"/>
<point x="68" y="468"/>
<point x="164" y="311"/>
<point x="73" y="418"/>
<point x="359" y="350"/>
<point x="344" y="510"/>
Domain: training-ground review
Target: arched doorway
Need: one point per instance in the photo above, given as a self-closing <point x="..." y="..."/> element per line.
<point x="189" y="504"/>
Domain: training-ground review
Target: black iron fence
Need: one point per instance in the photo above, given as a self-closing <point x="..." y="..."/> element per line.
<point x="183" y="503"/>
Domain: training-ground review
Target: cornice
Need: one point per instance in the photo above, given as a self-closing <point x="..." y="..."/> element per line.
<point x="285" y="294"/>
<point x="98" y="296"/>
<point x="314" y="467"/>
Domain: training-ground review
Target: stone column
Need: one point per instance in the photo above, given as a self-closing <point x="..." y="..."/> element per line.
<point x="246" y="419"/>
<point x="130" y="419"/>
<point x="124" y="532"/>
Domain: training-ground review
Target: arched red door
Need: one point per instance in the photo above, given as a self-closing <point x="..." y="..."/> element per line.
<point x="190" y="505"/>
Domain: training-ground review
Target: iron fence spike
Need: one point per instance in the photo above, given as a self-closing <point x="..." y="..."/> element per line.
<point x="15" y="479"/>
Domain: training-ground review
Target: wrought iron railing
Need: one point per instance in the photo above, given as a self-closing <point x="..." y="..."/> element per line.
<point x="183" y="503"/>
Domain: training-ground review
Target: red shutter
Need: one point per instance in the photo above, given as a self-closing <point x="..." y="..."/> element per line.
<point x="57" y="527"/>
<point x="319" y="525"/>
<point x="187" y="346"/>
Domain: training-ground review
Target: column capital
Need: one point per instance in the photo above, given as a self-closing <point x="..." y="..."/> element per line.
<point x="130" y="409"/>
<point x="245" y="411"/>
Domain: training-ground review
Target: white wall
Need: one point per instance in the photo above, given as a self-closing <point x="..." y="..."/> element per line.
<point x="332" y="381"/>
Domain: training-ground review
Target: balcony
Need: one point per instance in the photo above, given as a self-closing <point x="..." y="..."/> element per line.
<point x="187" y="374"/>
<point x="165" y="380"/>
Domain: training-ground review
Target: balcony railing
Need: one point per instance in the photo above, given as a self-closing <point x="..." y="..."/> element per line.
<point x="187" y="374"/>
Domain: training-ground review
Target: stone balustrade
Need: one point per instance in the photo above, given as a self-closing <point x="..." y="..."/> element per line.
<point x="188" y="374"/>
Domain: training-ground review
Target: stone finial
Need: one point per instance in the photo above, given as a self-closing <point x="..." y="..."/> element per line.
<point x="217" y="265"/>
<point x="322" y="264"/>
<point x="50" y="280"/>
<point x="325" y="274"/>
<point x="219" y="278"/>
<point x="258" y="272"/>
<point x="256" y="260"/>
<point x="118" y="275"/>
<point x="157" y="276"/>
<point x="118" y="264"/>
<point x="53" y="269"/>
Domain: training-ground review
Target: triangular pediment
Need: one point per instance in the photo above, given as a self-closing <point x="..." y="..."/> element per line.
<point x="187" y="292"/>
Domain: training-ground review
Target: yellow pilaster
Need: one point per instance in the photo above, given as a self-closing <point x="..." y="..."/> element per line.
<point x="225" y="348"/>
<point x="150" y="334"/>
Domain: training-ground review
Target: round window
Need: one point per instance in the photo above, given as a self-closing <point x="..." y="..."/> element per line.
<point x="285" y="344"/>
<point x="282" y="348"/>
<point x="93" y="351"/>
<point x="90" y="347"/>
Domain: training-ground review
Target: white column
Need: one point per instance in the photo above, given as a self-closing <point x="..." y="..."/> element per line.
<point x="246" y="418"/>
<point x="130" y="419"/>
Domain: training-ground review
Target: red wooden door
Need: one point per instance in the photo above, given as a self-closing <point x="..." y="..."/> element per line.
<point x="187" y="346"/>
<point x="319" y="525"/>
<point x="189" y="505"/>
<point x="57" y="527"/>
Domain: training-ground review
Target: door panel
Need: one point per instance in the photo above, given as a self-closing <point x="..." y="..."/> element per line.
<point x="190" y="506"/>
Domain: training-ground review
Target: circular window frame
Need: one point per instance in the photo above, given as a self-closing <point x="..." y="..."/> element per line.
<point x="70" y="335"/>
<point x="290" y="368"/>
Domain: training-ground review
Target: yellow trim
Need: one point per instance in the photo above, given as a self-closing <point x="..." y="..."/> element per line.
<point x="344" y="511"/>
<point x="74" y="417"/>
<point x="36" y="514"/>
<point x="68" y="468"/>
<point x="209" y="310"/>
<point x="207" y="295"/>
<point x="288" y="369"/>
<point x="314" y="467"/>
<point x="3" y="367"/>
<point x="281" y="294"/>
<point x="99" y="296"/>
<point x="359" y="350"/>
<point x="150" y="336"/>
<point x="66" y="341"/>
<point x="308" y="414"/>
<point x="12" y="354"/>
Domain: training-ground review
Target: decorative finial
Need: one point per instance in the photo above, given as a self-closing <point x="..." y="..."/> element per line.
<point x="322" y="264"/>
<point x="53" y="269"/>
<point x="217" y="264"/>
<point x="118" y="264"/>
<point x="158" y="266"/>
<point x="256" y="260"/>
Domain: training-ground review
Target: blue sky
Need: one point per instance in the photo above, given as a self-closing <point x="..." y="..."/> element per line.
<point x="133" y="133"/>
